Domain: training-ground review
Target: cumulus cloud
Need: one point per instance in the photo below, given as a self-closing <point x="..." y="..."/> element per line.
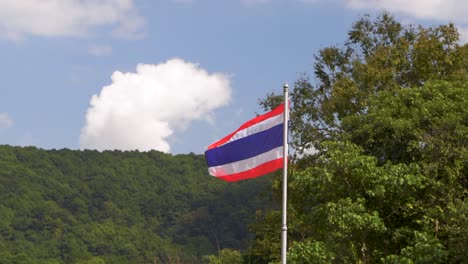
<point x="67" y="17"/>
<point x="5" y="121"/>
<point x="142" y="110"/>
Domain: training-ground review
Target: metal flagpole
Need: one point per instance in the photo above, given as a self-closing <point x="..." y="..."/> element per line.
<point x="284" y="227"/>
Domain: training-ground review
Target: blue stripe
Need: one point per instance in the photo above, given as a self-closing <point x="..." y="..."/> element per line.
<point x="247" y="147"/>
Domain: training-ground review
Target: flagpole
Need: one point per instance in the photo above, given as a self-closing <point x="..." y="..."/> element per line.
<point x="284" y="227"/>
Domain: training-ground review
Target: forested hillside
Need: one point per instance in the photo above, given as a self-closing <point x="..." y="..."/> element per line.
<point x="64" y="206"/>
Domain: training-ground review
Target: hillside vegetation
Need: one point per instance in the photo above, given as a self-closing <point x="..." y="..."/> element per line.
<point x="64" y="206"/>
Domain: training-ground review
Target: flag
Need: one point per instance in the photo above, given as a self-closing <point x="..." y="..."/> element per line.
<point x="253" y="150"/>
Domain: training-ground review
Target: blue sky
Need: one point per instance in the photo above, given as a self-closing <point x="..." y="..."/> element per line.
<point x="171" y="75"/>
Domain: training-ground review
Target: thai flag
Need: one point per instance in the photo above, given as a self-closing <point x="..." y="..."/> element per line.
<point x="254" y="149"/>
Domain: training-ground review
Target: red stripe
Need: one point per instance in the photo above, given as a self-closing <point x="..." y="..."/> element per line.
<point x="278" y="110"/>
<point x="260" y="170"/>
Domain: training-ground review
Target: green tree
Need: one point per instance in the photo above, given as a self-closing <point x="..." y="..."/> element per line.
<point x="379" y="55"/>
<point x="393" y="189"/>
<point x="388" y="123"/>
<point x="226" y="256"/>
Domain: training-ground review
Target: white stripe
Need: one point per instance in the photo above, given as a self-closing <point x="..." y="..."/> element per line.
<point x="247" y="164"/>
<point x="259" y="127"/>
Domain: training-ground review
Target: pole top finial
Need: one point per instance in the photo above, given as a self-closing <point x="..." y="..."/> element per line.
<point x="285" y="86"/>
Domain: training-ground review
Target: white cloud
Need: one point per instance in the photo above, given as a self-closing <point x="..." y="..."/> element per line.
<point x="142" y="110"/>
<point x="100" y="50"/>
<point x="447" y="10"/>
<point x="67" y="17"/>
<point x="5" y="121"/>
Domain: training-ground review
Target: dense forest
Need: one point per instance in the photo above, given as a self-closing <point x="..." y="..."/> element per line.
<point x="64" y="206"/>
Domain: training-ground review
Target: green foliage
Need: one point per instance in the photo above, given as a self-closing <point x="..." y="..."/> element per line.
<point x="310" y="252"/>
<point x="379" y="55"/>
<point x="351" y="204"/>
<point x="225" y="256"/>
<point x="63" y="206"/>
<point x="393" y="189"/>
<point x="387" y="123"/>
<point x="424" y="249"/>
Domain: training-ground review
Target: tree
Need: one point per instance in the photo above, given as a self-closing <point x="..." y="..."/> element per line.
<point x="394" y="190"/>
<point x="379" y="55"/>
<point x="226" y="256"/>
<point x="388" y="122"/>
<point x="425" y="126"/>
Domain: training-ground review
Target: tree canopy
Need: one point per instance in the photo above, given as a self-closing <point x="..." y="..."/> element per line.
<point x="65" y="206"/>
<point x="381" y="132"/>
<point x="379" y="55"/>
